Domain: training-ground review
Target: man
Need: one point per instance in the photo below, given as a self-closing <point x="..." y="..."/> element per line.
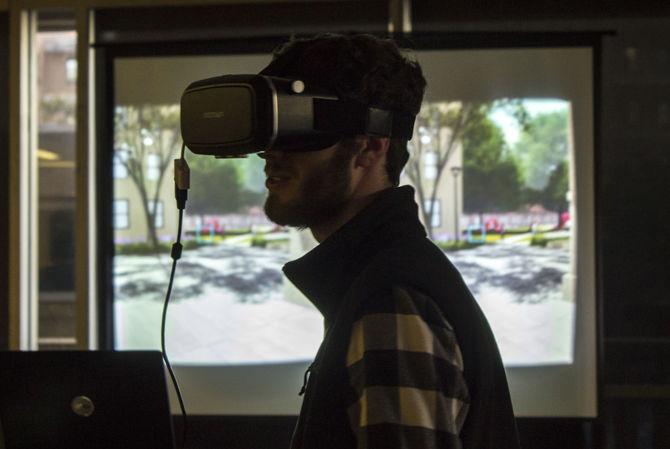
<point x="408" y="359"/>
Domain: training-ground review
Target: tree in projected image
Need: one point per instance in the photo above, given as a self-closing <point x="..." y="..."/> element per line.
<point x="543" y="144"/>
<point x="543" y="154"/>
<point x="147" y="140"/>
<point x="491" y="177"/>
<point x="554" y="195"/>
<point x="224" y="186"/>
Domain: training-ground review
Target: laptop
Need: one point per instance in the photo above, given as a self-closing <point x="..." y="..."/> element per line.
<point x="84" y="399"/>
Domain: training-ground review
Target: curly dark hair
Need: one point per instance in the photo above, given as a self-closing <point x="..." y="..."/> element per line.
<point x="359" y="67"/>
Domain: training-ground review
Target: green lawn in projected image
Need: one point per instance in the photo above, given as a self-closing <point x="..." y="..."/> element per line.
<point x="504" y="175"/>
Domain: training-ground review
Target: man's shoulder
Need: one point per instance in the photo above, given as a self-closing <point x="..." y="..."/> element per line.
<point x="398" y="298"/>
<point x="414" y="263"/>
<point x="398" y="295"/>
<point x="408" y="255"/>
<point x="416" y="272"/>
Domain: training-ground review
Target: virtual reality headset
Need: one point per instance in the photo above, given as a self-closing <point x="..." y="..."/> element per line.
<point x="234" y="115"/>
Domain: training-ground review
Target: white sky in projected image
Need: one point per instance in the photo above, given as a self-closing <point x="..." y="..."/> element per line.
<point x="508" y="124"/>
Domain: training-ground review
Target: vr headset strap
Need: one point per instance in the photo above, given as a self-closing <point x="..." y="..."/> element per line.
<point x="351" y="117"/>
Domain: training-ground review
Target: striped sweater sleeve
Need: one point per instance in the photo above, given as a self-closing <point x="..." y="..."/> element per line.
<point x="406" y="368"/>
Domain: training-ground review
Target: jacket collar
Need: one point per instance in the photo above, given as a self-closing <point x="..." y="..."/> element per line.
<point x="325" y="273"/>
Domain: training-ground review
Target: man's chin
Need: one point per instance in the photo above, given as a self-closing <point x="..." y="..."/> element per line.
<point x="279" y="213"/>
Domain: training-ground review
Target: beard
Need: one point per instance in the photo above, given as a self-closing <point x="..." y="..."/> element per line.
<point x="322" y="195"/>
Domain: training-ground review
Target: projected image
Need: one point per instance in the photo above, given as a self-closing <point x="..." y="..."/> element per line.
<point x="492" y="182"/>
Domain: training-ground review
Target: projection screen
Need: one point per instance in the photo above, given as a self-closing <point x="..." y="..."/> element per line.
<point x="240" y="336"/>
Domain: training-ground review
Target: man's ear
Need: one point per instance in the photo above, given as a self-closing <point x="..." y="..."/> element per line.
<point x="374" y="149"/>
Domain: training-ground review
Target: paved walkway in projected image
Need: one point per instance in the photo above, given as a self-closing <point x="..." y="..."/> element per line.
<point x="228" y="307"/>
<point x="525" y="297"/>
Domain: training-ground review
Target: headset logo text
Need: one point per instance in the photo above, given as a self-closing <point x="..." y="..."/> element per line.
<point x="213" y="114"/>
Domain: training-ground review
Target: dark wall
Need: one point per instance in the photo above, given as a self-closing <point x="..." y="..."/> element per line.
<point x="247" y="21"/>
<point x="439" y="12"/>
<point x="634" y="185"/>
<point x="4" y="178"/>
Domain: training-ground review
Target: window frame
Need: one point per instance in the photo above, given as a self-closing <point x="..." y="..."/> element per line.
<point x="436" y="219"/>
<point x="152" y="167"/>
<point x="159" y="219"/>
<point x="125" y="201"/>
<point x="118" y="162"/>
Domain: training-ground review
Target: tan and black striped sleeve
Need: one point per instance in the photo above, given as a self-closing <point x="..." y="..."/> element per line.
<point x="406" y="368"/>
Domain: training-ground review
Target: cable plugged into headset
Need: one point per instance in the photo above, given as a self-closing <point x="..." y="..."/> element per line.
<point x="181" y="186"/>
<point x="182" y="181"/>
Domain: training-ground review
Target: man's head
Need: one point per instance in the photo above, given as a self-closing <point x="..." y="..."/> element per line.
<point x="357" y="67"/>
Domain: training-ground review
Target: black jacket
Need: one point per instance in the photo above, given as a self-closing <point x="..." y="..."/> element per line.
<point x="386" y="245"/>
